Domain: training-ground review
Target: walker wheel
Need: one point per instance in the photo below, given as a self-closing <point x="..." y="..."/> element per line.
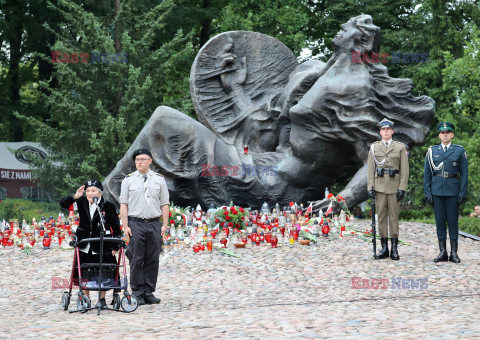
<point x="65" y="300"/>
<point x="129" y="303"/>
<point x="116" y="301"/>
<point x="83" y="302"/>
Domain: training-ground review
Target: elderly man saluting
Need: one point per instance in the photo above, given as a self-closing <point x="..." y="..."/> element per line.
<point x="387" y="177"/>
<point x="445" y="182"/>
<point x="143" y="199"/>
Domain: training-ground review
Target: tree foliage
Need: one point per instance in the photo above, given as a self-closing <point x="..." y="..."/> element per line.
<point x="98" y="108"/>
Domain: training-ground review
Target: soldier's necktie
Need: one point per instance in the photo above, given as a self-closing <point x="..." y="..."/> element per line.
<point x="145" y="189"/>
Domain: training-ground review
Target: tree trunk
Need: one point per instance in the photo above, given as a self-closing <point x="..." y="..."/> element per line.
<point x="206" y="25"/>
<point x="118" y="49"/>
<point x="15" y="32"/>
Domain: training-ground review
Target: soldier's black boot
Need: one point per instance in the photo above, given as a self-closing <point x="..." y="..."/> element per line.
<point x="443" y="256"/>
<point x="394" y="253"/>
<point x="453" y="252"/>
<point x="384" y="252"/>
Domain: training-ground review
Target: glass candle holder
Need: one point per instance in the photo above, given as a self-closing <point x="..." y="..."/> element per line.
<point x="274" y="241"/>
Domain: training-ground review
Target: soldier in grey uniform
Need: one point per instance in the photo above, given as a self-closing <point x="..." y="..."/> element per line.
<point x="143" y="199"/>
<point x="387" y="177"/>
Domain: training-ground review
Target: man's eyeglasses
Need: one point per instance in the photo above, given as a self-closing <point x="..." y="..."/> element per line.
<point x="141" y="160"/>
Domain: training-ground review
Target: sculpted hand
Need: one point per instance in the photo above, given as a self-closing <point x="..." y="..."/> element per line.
<point x="371" y="193"/>
<point x="237" y="75"/>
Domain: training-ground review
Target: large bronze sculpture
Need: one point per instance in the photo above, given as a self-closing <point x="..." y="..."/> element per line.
<point x="306" y="125"/>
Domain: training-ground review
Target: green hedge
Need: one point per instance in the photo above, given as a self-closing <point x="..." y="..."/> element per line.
<point x="24" y="209"/>
<point x="470" y="225"/>
<point x="417" y="214"/>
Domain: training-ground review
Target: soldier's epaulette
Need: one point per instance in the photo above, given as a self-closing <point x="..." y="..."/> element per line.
<point x="130" y="175"/>
<point x="459" y="146"/>
<point x="156" y="173"/>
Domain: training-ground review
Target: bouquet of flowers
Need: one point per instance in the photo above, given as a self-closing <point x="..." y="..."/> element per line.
<point x="343" y="204"/>
<point x="340" y="200"/>
<point x="178" y="216"/>
<point x="233" y="217"/>
<point x="27" y="249"/>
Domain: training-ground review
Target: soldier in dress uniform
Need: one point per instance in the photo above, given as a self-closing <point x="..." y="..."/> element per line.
<point x="445" y="182"/>
<point x="387" y="178"/>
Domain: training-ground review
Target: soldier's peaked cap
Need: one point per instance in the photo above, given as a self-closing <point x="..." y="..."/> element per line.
<point x="385" y="123"/>
<point x="446" y="126"/>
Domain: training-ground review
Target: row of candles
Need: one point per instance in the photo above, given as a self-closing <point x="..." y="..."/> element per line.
<point x="44" y="232"/>
<point x="273" y="229"/>
<point x="266" y="227"/>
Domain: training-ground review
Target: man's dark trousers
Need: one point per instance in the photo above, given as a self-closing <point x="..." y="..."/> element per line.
<point x="446" y="212"/>
<point x="143" y="253"/>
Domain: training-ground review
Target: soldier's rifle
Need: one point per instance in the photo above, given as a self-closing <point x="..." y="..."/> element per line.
<point x="374" y="229"/>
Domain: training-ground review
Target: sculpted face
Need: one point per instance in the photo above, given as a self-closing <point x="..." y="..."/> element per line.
<point x="358" y="34"/>
<point x="346" y="37"/>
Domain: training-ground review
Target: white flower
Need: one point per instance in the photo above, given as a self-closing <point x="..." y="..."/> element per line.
<point x="178" y="218"/>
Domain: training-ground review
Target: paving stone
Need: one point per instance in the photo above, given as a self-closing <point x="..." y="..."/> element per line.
<point x="288" y="292"/>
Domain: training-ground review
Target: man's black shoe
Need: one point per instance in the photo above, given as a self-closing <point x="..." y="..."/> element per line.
<point x="150" y="300"/>
<point x="140" y="300"/>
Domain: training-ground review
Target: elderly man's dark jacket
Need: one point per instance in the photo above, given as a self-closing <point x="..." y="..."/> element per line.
<point x="91" y="228"/>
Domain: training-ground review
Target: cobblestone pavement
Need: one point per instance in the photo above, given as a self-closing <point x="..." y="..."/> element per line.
<point x="288" y="292"/>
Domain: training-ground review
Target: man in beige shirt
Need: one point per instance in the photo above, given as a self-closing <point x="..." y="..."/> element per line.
<point x="387" y="178"/>
<point x="143" y="199"/>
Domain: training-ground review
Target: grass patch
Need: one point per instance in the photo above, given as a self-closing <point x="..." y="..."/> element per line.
<point x="24" y="209"/>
